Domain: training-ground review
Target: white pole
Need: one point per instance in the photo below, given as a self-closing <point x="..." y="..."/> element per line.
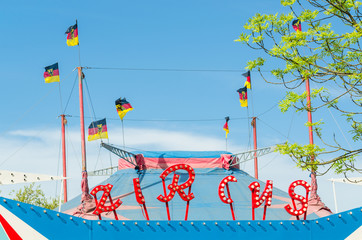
<point x="334" y="195"/>
<point x="61" y="193"/>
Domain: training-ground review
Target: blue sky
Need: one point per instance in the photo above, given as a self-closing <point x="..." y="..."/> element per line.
<point x="143" y="35"/>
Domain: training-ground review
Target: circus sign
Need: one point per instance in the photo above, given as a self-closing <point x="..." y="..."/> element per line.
<point x="258" y="196"/>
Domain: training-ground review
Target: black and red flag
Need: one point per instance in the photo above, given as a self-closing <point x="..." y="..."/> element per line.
<point x="243" y="95"/>
<point x="123" y="106"/>
<point x="72" y="35"/>
<point x="226" y="126"/>
<point x="248" y="81"/>
<point x="51" y="73"/>
<point x="297" y="25"/>
<point x="97" y="130"/>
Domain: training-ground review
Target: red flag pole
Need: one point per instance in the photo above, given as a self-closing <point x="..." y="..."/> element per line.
<point x="81" y="110"/>
<point x="85" y="187"/>
<point x="231" y="204"/>
<point x="164" y="190"/>
<point x="314" y="194"/>
<point x="64" y="121"/>
<point x="253" y="123"/>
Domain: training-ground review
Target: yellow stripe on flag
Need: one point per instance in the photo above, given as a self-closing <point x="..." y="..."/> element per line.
<point x="73" y="41"/>
<point x="52" y="79"/>
<point x="103" y="135"/>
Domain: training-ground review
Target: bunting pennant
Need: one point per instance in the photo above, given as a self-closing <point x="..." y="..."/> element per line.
<point x="51" y="73"/>
<point x="226" y="126"/>
<point x="296" y="25"/>
<point x="97" y="130"/>
<point x="247" y="82"/>
<point x="123" y="106"/>
<point x="72" y="35"/>
<point x="243" y="95"/>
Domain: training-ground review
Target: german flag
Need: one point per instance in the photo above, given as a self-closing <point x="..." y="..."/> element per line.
<point x="243" y="95"/>
<point x="248" y="82"/>
<point x="51" y="73"/>
<point x="123" y="107"/>
<point x="296" y="25"/>
<point x="72" y="35"/>
<point x="97" y="130"/>
<point x="226" y="126"/>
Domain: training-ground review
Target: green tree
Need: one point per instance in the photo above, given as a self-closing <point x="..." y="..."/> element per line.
<point x="327" y="50"/>
<point x="34" y="195"/>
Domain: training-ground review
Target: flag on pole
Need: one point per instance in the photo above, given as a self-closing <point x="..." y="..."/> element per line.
<point x="248" y="82"/>
<point x="72" y="35"/>
<point x="123" y="106"/>
<point x="51" y="73"/>
<point x="243" y="95"/>
<point x="226" y="126"/>
<point x="296" y="25"/>
<point x="97" y="130"/>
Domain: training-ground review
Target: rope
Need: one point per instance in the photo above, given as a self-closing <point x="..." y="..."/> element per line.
<point x="26" y="143"/>
<point x="273" y="128"/>
<point x="339" y="128"/>
<point x="167" y="120"/>
<point x="267" y="110"/>
<point x="76" y="20"/>
<point x="252" y="103"/>
<point x="76" y="154"/>
<point x="60" y="94"/>
<point x="27" y="111"/>
<point x="110" y="155"/>
<point x="291" y="124"/>
<point x="99" y="152"/>
<point x="71" y="92"/>
<point x="90" y="100"/>
<point x="60" y="99"/>
<point x="249" y="132"/>
<point x="268" y="162"/>
<point x="166" y="69"/>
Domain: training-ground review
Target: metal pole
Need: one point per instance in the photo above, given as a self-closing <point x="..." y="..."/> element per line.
<point x="334" y="195"/>
<point x="60" y="195"/>
<point x="253" y="123"/>
<point x="124" y="144"/>
<point x="64" y="121"/>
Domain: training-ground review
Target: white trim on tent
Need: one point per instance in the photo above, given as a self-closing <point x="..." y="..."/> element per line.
<point x="11" y="177"/>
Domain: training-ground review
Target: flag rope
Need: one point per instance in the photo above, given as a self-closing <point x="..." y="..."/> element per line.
<point x="124" y="144"/>
<point x="169" y="69"/>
